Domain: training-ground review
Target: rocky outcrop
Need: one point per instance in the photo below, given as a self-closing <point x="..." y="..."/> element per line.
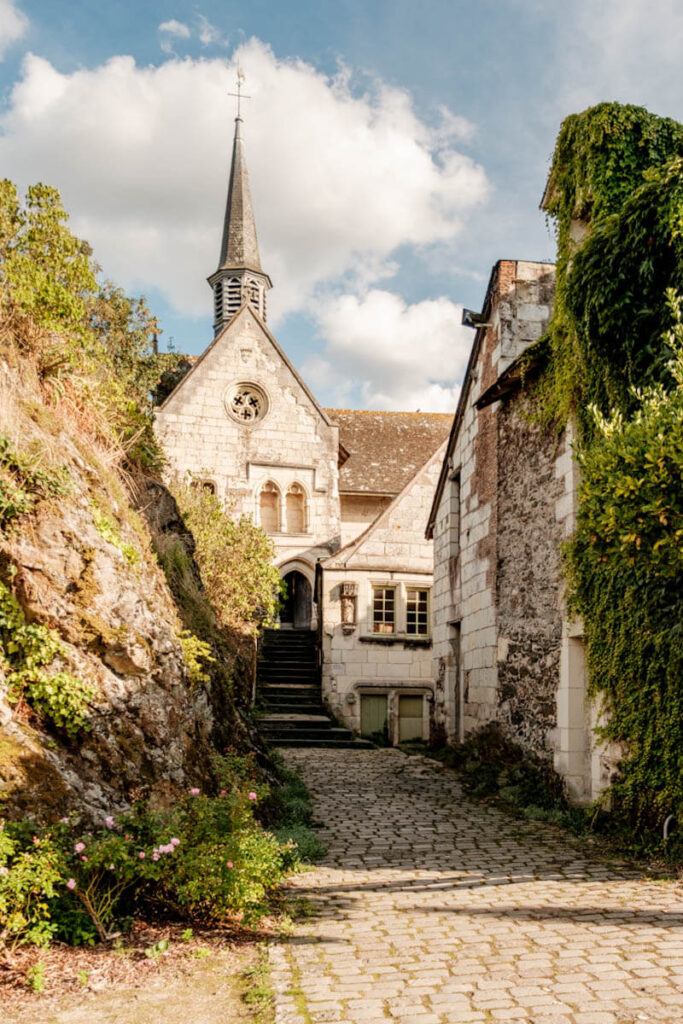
<point x="84" y="565"/>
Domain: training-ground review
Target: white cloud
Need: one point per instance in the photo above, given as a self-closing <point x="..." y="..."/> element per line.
<point x="628" y="50"/>
<point x="170" y="31"/>
<point x="13" y="25"/>
<point x="175" y="28"/>
<point x="209" y="35"/>
<point x="141" y="155"/>
<point x="400" y="356"/>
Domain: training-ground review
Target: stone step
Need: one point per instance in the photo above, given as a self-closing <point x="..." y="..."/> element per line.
<point x="292" y="741"/>
<point x="307" y="691"/>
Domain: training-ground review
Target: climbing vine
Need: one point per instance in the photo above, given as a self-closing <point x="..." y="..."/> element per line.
<point x="616" y="194"/>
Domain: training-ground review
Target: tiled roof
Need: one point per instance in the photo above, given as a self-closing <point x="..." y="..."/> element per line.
<point x="385" y="449"/>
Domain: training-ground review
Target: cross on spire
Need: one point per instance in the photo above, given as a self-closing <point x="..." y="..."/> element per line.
<point x="240" y="79"/>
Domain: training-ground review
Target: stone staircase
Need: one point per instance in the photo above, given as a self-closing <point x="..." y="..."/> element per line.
<point x="291" y="711"/>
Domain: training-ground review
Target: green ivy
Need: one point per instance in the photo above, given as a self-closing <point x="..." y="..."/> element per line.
<point x="619" y="170"/>
<point x="23" y="483"/>
<point x="27" y="650"/>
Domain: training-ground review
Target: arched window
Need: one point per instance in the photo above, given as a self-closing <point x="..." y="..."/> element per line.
<point x="295" y="508"/>
<point x="207" y="486"/>
<point x="269" y="508"/>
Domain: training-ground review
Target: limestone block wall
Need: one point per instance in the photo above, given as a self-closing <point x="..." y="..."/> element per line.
<point x="293" y="442"/>
<point x="504" y="647"/>
<point x="465" y="527"/>
<point x="357" y="662"/>
<point x="358" y="511"/>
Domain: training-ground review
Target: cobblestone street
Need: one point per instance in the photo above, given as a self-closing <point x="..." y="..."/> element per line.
<point x="431" y="909"/>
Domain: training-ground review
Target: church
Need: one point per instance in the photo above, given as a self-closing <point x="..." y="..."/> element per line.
<point x="344" y="494"/>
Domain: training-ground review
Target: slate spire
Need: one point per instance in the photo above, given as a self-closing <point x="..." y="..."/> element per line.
<point x="239" y="279"/>
<point x="239" y="248"/>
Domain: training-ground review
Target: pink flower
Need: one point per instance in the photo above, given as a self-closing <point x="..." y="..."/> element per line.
<point x="111" y="867"/>
<point x="175" y="842"/>
<point x="141" y="855"/>
<point x="36" y="840"/>
<point x="109" y="822"/>
<point x="71" y="884"/>
<point x="229" y="863"/>
<point x="84" y="858"/>
<point x="4" y="870"/>
<point x="64" y="821"/>
<point x="155" y="855"/>
<point x="223" y="792"/>
<point x="194" y="791"/>
<point x="79" y="847"/>
<point x="252" y="796"/>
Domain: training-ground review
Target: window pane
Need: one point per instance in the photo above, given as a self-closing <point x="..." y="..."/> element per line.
<point x="383" y="610"/>
<point x="417" y="611"/>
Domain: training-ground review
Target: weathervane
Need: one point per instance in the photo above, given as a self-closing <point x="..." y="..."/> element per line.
<point x="240" y="79"/>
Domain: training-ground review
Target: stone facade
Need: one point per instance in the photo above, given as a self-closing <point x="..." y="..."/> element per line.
<point x="359" y="661"/>
<point x="294" y="443"/>
<point x="504" y="647"/>
<point x="243" y="423"/>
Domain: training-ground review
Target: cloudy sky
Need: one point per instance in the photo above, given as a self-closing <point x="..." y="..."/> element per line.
<point x="395" y="149"/>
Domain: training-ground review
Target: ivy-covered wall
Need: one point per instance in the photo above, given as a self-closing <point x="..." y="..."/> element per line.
<point x="614" y="362"/>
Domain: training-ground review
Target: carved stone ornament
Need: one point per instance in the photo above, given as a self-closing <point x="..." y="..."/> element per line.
<point x="349" y="596"/>
<point x="246" y="403"/>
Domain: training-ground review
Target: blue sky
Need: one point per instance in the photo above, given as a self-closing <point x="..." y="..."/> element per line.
<point x="396" y="150"/>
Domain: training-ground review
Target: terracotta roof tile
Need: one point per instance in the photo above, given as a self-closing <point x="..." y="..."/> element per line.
<point x="386" y="449"/>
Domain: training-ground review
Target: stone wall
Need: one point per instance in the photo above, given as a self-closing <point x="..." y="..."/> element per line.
<point x="293" y="443"/>
<point x="358" y="511"/>
<point x="465" y="524"/>
<point x="528" y="578"/>
<point x="356" y="661"/>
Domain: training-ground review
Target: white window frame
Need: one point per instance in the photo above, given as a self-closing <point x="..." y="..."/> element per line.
<point x="400" y="588"/>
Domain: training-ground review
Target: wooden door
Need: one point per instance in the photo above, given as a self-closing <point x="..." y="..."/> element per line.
<point x="373" y="716"/>
<point x="409" y="719"/>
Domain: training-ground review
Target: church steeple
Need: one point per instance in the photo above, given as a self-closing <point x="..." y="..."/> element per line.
<point x="239" y="278"/>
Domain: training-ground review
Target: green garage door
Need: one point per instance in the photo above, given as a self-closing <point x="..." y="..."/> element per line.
<point x="409" y="718"/>
<point x="373" y="716"/>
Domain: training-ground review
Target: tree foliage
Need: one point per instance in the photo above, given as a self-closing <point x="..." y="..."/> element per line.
<point x="235" y="558"/>
<point x="94" y="347"/>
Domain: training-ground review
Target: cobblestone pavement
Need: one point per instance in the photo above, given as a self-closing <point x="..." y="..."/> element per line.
<point x="431" y="909"/>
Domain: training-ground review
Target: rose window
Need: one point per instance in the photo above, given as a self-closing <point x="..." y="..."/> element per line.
<point x="247" y="403"/>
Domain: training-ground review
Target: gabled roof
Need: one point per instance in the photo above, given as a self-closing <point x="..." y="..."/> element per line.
<point x="341" y="558"/>
<point x="385" y="449"/>
<point x="247" y="310"/>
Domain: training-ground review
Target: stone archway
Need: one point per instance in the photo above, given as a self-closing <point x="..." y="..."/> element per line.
<point x="298" y="604"/>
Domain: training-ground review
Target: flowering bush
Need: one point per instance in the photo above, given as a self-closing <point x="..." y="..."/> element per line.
<point x="204" y="858"/>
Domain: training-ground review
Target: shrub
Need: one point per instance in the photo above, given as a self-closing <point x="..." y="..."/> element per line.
<point x="204" y="859"/>
<point x="27" y="653"/>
